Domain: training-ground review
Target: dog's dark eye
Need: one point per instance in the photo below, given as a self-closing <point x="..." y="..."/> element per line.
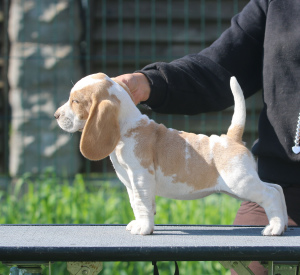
<point x="75" y="101"/>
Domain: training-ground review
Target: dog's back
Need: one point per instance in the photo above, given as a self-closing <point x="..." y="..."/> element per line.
<point x="183" y="163"/>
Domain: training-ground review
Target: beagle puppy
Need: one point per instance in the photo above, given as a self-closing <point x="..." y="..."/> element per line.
<point x="152" y="160"/>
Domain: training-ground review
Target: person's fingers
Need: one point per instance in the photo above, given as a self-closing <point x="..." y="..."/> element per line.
<point x="138" y="85"/>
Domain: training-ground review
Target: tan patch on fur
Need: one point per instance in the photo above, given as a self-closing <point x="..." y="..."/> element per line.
<point x="182" y="156"/>
<point x="98" y="76"/>
<point x="84" y="97"/>
<point x="101" y="132"/>
<point x="236" y="133"/>
<point x="223" y="155"/>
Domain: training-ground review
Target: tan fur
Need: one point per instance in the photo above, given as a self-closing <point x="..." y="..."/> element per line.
<point x="100" y="136"/>
<point x="158" y="147"/>
<point x="98" y="76"/>
<point x="223" y="155"/>
<point x="236" y="133"/>
<point x="84" y="97"/>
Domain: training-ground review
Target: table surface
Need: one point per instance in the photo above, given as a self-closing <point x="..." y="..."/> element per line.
<point x="167" y="243"/>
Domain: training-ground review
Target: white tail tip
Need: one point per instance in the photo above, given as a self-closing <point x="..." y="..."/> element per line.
<point x="233" y="83"/>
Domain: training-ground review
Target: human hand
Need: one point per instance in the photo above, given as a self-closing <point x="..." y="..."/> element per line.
<point x="138" y="85"/>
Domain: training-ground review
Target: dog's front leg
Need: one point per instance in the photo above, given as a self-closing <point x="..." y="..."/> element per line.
<point x="142" y="197"/>
<point x="131" y="198"/>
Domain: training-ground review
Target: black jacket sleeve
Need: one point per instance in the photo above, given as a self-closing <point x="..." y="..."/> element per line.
<point x="199" y="82"/>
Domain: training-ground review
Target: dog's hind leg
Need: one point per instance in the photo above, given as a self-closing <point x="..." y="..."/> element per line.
<point x="242" y="181"/>
<point x="279" y="188"/>
<point x="268" y="197"/>
<point x="273" y="204"/>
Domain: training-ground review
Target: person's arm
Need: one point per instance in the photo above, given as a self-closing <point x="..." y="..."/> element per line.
<point x="200" y="82"/>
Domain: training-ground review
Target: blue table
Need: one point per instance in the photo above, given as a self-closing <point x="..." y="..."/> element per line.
<point x="231" y="245"/>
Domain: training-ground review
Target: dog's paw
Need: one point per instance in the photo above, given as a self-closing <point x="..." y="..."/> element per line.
<point x="140" y="227"/>
<point x="130" y="225"/>
<point x="274" y="229"/>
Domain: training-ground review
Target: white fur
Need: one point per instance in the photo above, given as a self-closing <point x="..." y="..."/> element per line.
<point x="71" y="123"/>
<point x="85" y="82"/>
<point x="239" y="115"/>
<point x="237" y="177"/>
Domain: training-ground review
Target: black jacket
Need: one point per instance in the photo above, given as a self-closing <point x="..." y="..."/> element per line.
<point x="262" y="49"/>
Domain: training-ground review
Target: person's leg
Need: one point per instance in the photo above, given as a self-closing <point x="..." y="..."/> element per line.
<point x="252" y="214"/>
<point x="292" y="199"/>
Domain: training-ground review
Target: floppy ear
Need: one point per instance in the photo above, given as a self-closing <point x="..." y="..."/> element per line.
<point x="101" y="132"/>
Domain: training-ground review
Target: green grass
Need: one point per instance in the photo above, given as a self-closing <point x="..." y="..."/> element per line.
<point x="47" y="200"/>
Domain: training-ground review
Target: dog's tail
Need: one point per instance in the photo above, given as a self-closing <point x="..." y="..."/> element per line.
<point x="237" y="126"/>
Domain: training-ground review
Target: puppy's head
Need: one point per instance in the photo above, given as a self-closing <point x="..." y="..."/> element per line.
<point x="93" y="109"/>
